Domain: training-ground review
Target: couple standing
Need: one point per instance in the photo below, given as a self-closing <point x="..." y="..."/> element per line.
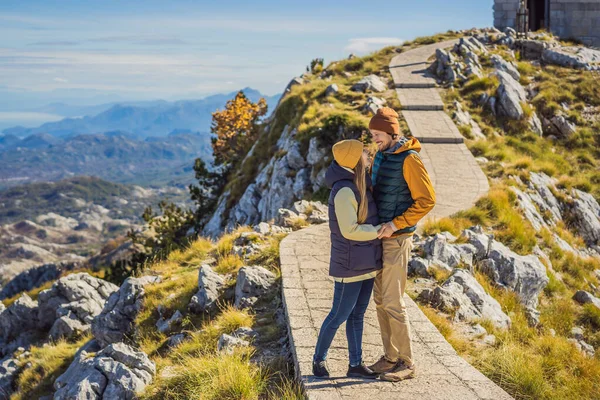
<point x="372" y="218"/>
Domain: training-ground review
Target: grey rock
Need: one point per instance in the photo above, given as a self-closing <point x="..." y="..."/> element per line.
<point x="214" y="227"/>
<point x="304" y="206"/>
<point x="439" y="252"/>
<point x="9" y="368"/>
<point x="510" y="95"/>
<point x="525" y="275"/>
<point x="302" y="183"/>
<point x="68" y="326"/>
<point x="17" y="318"/>
<point x="545" y="199"/>
<point x="529" y="209"/>
<point x="373" y="104"/>
<point x="583" y="297"/>
<point x="177" y="339"/>
<point x="115" y="372"/>
<point x="585" y="348"/>
<point x="577" y="332"/>
<point x="210" y="288"/>
<point x="331" y="89"/>
<point x="584" y="212"/>
<point x="228" y="343"/>
<point x="369" y="82"/>
<point x="285" y="217"/>
<point x="166" y="325"/>
<point x="294" y="158"/>
<point x="319" y="179"/>
<point x="116" y="322"/>
<point x="315" y="154"/>
<point x="72" y="303"/>
<point x="252" y="282"/>
<point x="462" y="295"/>
<point x="563" y="127"/>
<point x="503" y="65"/>
<point x="535" y="124"/>
<point x="245" y="333"/>
<point x="35" y="277"/>
<point x="418" y="267"/>
<point x="573" y="57"/>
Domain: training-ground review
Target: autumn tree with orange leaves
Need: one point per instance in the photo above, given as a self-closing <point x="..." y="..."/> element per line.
<point x="235" y="128"/>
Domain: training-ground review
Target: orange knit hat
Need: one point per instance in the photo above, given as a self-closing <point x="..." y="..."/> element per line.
<point x="385" y="120"/>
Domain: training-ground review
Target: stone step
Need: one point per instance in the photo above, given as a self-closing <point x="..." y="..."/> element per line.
<point x="423" y="107"/>
<point x="416" y="85"/>
<point x="440" y="140"/>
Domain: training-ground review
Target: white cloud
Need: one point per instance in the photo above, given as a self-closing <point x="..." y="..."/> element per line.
<point x="61" y="80"/>
<point x="363" y="45"/>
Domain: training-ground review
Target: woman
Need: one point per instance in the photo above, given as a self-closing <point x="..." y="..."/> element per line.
<point x="355" y="255"/>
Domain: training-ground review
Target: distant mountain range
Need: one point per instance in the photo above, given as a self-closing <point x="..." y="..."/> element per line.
<point x="142" y="119"/>
<point x="115" y="156"/>
<point x="147" y="143"/>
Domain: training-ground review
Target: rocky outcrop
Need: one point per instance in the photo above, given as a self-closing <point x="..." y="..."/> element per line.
<point x="252" y="282"/>
<point x="510" y="95"/>
<point x="573" y="57"/>
<point x="583" y="297"/>
<point x="228" y="343"/>
<point x="502" y="65"/>
<point x="36" y="277"/>
<point x="331" y="89"/>
<point x="584" y="214"/>
<point x="19" y="317"/>
<point x="371" y="82"/>
<point x="117" y="371"/>
<point x="440" y="252"/>
<point x="210" y="289"/>
<point x="9" y="368"/>
<point x="462" y="295"/>
<point x="525" y="275"/>
<point x="280" y="183"/>
<point x="70" y="305"/>
<point x="463" y="118"/>
<point x="116" y="321"/>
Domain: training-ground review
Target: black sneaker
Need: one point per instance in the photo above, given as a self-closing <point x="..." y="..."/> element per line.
<point x="361" y="371"/>
<point x="320" y="370"/>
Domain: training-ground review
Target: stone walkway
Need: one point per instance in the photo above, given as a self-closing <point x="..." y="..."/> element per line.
<point x="308" y="290"/>
<point x="307" y="294"/>
<point x="457" y="178"/>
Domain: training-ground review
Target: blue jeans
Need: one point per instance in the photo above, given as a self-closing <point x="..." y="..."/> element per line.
<point x="350" y="301"/>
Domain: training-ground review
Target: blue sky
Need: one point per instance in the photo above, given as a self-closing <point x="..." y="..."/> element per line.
<point x="96" y="51"/>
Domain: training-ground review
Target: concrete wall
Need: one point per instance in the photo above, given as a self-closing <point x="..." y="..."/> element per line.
<point x="576" y="19"/>
<point x="505" y="13"/>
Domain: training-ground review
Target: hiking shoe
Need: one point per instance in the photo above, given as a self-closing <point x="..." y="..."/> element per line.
<point x="399" y="373"/>
<point x="383" y="365"/>
<point x="361" y="371"/>
<point x="320" y="370"/>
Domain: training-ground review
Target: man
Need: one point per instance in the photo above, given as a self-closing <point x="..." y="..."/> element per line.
<point x="404" y="194"/>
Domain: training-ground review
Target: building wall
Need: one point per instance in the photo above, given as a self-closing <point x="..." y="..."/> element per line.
<point x="576" y="19"/>
<point x="505" y="13"/>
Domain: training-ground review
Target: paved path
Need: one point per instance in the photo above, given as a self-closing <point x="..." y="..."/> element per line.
<point x="308" y="290"/>
<point x="307" y="294"/>
<point x="457" y="178"/>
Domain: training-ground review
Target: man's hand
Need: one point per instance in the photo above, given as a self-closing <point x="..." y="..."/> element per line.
<point x="386" y="230"/>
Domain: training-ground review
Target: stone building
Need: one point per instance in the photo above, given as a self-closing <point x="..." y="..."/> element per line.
<point x="569" y="19"/>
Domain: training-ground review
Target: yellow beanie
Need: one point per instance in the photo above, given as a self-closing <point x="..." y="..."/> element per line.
<point x="348" y="152"/>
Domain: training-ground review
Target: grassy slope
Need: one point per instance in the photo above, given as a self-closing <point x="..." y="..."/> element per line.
<point x="194" y="369"/>
<point x="531" y="363"/>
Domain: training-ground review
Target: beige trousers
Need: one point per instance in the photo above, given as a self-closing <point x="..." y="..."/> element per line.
<point x="388" y="294"/>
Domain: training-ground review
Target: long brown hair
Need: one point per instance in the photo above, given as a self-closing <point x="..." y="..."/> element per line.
<point x="361" y="183"/>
